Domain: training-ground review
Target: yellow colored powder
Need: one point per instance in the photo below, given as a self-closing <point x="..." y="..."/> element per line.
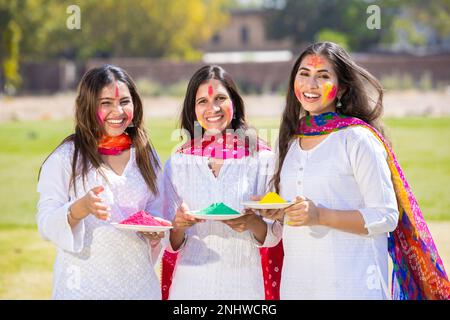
<point x="272" y="197"/>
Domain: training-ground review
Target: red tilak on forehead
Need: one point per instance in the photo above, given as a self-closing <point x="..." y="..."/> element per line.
<point x="210" y="90"/>
<point x="117" y="91"/>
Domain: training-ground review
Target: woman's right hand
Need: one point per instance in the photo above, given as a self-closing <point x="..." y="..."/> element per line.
<point x="184" y="219"/>
<point x="272" y="214"/>
<point x="90" y="203"/>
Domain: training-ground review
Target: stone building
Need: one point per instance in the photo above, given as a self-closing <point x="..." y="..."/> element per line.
<point x="244" y="38"/>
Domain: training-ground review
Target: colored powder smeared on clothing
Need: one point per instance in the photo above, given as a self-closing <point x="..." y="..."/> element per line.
<point x="114" y="145"/>
<point x="218" y="208"/>
<point x="272" y="197"/>
<point x="143" y="218"/>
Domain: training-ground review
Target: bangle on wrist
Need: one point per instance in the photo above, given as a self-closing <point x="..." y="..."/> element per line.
<point x="71" y="216"/>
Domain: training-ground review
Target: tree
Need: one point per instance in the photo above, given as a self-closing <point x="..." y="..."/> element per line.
<point x="334" y="36"/>
<point x="133" y="28"/>
<point x="413" y="14"/>
<point x="37" y="30"/>
<point x="303" y="21"/>
<point x="9" y="47"/>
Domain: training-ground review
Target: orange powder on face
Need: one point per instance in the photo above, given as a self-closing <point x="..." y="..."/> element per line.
<point x="272" y="197"/>
<point x="202" y="124"/>
<point x="315" y="61"/>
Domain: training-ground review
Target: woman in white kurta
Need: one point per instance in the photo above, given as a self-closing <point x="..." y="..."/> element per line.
<point x="347" y="170"/>
<point x="94" y="259"/>
<point x="216" y="262"/>
<point x="217" y="259"/>
<point x="335" y="235"/>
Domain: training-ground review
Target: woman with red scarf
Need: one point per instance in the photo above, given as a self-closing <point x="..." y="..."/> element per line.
<point x="221" y="162"/>
<point x="104" y="172"/>
<point x="353" y="203"/>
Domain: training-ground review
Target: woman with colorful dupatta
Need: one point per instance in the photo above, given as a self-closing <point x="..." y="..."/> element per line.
<point x="216" y="259"/>
<point x="104" y="172"/>
<point x="352" y="199"/>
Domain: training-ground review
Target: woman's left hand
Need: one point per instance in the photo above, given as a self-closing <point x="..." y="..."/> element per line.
<point x="153" y="237"/>
<point x="247" y="222"/>
<point x="303" y="213"/>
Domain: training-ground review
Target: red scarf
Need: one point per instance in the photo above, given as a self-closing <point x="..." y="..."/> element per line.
<point x="113" y="146"/>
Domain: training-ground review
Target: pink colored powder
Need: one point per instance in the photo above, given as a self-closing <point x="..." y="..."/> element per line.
<point x="143" y="218"/>
<point x="101" y="115"/>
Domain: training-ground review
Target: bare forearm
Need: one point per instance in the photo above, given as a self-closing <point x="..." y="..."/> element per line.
<point x="259" y="230"/>
<point x="77" y="213"/>
<point x="176" y="239"/>
<point x="346" y="220"/>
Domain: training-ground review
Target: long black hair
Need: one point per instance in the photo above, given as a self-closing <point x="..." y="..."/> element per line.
<point x="356" y="100"/>
<point x="88" y="130"/>
<point x="188" y="117"/>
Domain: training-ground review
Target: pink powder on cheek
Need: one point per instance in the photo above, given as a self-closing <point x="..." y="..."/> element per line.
<point x="330" y="91"/>
<point x="101" y="116"/>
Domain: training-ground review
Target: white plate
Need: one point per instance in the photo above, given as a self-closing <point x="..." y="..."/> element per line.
<point x="198" y="215"/>
<point x="257" y="205"/>
<point x="139" y="227"/>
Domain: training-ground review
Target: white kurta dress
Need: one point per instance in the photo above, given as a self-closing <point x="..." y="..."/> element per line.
<point x="346" y="171"/>
<point x="95" y="260"/>
<point x="216" y="262"/>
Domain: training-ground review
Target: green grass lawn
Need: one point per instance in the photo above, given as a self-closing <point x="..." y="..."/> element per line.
<point x="421" y="146"/>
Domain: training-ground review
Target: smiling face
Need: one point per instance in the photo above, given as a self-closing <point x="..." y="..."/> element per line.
<point x="316" y="85"/>
<point x="115" y="108"/>
<point x="213" y="106"/>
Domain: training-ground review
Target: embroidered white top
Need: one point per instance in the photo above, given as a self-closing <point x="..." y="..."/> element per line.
<point x="346" y="171"/>
<point x="216" y="262"/>
<point x="94" y="259"/>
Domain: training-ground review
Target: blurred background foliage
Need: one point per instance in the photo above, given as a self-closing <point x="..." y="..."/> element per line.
<point x="34" y="30"/>
<point x="345" y="20"/>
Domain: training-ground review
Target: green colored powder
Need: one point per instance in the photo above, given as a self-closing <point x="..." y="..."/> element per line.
<point x="218" y="208"/>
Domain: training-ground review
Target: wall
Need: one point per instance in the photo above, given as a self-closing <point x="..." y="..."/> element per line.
<point x="50" y="77"/>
